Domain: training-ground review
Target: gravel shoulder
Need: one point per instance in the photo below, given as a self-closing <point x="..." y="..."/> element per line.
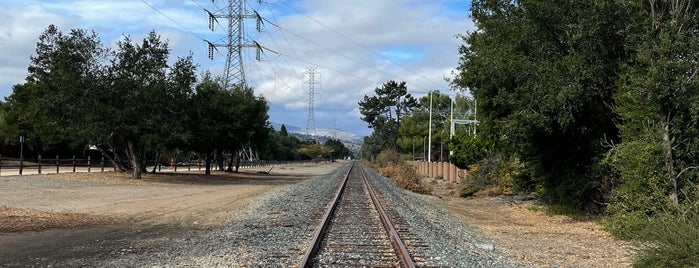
<point x="80" y="219"/>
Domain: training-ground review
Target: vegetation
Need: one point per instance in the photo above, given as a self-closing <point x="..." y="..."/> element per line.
<point x="589" y="105"/>
<point x="127" y="103"/>
<point x="598" y="100"/>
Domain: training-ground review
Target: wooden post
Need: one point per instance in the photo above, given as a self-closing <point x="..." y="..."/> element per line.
<point x="56" y="164"/>
<point x="0" y="165"/>
<point x="39" y="163"/>
<point x="189" y="163"/>
<point x="73" y="164"/>
<point x="174" y="162"/>
<point x="89" y="165"/>
<point x="102" y="164"/>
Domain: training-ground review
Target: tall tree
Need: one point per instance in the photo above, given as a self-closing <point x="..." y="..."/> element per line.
<point x="65" y="75"/>
<point x="543" y="74"/>
<point x="658" y="105"/>
<point x="385" y="111"/>
<point x="416" y="125"/>
<point x="141" y="98"/>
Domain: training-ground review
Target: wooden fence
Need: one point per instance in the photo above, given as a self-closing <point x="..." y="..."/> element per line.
<point x="446" y="170"/>
<point x="39" y="165"/>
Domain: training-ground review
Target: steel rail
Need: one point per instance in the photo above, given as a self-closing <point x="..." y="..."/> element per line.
<point x="313" y="249"/>
<point x="400" y="247"/>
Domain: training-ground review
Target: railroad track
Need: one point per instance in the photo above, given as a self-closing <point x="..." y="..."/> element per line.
<point x="357" y="231"/>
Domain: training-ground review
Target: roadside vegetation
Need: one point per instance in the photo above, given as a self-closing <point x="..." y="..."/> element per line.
<point x="590" y="106"/>
<point x="131" y="105"/>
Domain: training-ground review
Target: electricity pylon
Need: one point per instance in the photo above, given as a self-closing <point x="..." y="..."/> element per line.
<point x="312" y="82"/>
<point x="234" y="73"/>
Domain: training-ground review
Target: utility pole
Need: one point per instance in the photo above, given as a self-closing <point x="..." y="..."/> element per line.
<point x="311" y="82"/>
<point x="429" y="139"/>
<point x="236" y="13"/>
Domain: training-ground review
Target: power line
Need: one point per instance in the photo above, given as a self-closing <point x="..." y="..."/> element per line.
<point x="359" y="44"/>
<point x="172" y="20"/>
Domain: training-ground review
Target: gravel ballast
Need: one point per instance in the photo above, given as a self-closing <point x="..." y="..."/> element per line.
<point x="275" y="229"/>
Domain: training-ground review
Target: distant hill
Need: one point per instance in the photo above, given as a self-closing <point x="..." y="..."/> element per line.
<point x="351" y="140"/>
<point x="321" y="132"/>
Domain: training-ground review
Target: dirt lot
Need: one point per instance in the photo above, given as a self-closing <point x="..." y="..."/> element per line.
<point x="80" y="216"/>
<point x="529" y="234"/>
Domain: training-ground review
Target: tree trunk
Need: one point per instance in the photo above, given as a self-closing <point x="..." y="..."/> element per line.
<point x="155" y="165"/>
<point x="669" y="165"/>
<point x="237" y="162"/>
<point x="116" y="161"/>
<point x="230" y="164"/>
<point x="207" y="164"/>
<point x="136" y="162"/>
<point x="219" y="159"/>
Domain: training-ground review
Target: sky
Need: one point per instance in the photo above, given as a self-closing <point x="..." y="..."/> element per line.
<point x="353" y="46"/>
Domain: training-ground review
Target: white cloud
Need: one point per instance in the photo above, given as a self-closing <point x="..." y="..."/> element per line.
<point x="418" y="35"/>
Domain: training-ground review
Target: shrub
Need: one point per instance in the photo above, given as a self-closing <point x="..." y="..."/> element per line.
<point x="674" y="243"/>
<point x="405" y="176"/>
<point x="387" y="157"/>
<point x="468" y="191"/>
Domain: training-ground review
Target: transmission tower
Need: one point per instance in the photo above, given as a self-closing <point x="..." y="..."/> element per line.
<point x="236" y="13"/>
<point x="312" y="82"/>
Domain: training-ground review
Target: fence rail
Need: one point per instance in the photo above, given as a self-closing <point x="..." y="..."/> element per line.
<point x="17" y="166"/>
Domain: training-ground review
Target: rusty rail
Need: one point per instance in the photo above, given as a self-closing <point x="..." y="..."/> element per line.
<point x="397" y="243"/>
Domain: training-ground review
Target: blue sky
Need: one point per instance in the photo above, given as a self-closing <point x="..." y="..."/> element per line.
<point x="356" y="45"/>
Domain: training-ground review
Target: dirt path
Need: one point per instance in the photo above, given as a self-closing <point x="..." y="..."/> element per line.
<point x="534" y="237"/>
<point x="80" y="217"/>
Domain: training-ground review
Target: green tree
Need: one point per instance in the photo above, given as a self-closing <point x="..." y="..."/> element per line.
<point x="210" y="106"/>
<point x="251" y="126"/>
<point x="141" y="105"/>
<point x="543" y="74"/>
<point x="64" y="77"/>
<point x="385" y="111"/>
<point x="415" y="126"/>
<point x="338" y="149"/>
<point x="468" y="150"/>
<point x="316" y="151"/>
<point x="658" y="106"/>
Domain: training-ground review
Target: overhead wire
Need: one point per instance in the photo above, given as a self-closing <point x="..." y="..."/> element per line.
<point x="359" y="44"/>
<point x="172" y="20"/>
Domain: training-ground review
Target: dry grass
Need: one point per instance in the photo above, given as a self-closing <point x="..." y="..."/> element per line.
<point x="18" y="220"/>
<point x="405" y="176"/>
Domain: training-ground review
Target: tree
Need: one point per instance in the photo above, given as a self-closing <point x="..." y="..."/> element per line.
<point x="415" y="126"/>
<point x="658" y="106"/>
<point x="316" y="151"/>
<point x="385" y="111"/>
<point x="338" y="149"/>
<point x="142" y="103"/>
<point x="543" y="74"/>
<point x="251" y="127"/>
<point x="210" y="106"/>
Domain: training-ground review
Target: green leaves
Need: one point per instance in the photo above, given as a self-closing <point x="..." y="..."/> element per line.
<point x="385" y="111"/>
<point x="543" y="74"/>
<point x="79" y="94"/>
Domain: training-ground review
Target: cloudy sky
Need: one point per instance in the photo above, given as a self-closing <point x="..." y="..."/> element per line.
<point x="355" y="46"/>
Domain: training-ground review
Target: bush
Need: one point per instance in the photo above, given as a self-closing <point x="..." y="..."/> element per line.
<point x="387" y="157"/>
<point x="674" y="243"/>
<point x="468" y="191"/>
<point x="494" y="172"/>
<point x="405" y="176"/>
